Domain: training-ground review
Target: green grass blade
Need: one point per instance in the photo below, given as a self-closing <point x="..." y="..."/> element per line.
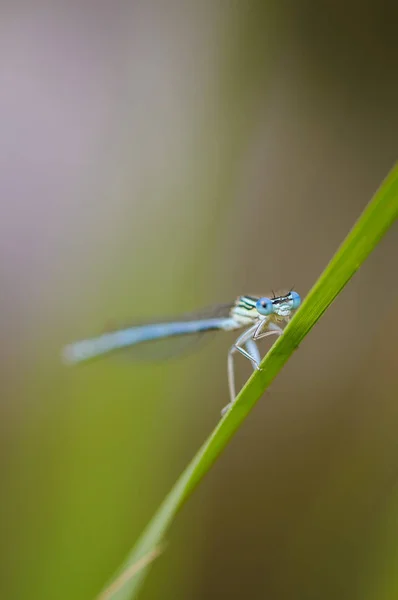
<point x="376" y="219"/>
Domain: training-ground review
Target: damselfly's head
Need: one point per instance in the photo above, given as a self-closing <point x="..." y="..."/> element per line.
<point x="281" y="306"/>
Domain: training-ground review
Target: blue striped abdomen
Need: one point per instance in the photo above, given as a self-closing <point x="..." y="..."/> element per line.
<point x="116" y="340"/>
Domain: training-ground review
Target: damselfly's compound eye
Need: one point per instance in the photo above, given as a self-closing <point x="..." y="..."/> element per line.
<point x="295" y="299"/>
<point x="264" y="307"/>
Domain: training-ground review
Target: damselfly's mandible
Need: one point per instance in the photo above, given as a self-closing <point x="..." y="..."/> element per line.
<point x="259" y="316"/>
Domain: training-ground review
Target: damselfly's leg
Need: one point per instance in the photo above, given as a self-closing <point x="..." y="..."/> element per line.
<point x="242" y="339"/>
<point x="248" y="339"/>
<point x="252" y="349"/>
<point x="251" y="346"/>
<point x="273" y="329"/>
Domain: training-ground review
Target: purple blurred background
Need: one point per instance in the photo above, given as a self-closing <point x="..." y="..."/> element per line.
<point x="160" y="157"/>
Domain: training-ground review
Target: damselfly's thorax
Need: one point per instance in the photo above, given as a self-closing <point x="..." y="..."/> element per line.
<point x="244" y="310"/>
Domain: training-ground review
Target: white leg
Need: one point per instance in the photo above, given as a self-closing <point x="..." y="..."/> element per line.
<point x="273" y="329"/>
<point x="267" y="333"/>
<point x="248" y="338"/>
<point x="252" y="349"/>
<point x="242" y="339"/>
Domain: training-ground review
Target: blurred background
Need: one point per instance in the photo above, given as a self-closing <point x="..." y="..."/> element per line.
<point x="158" y="157"/>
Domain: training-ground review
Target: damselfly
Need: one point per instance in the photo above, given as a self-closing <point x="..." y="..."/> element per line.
<point x="260" y="317"/>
